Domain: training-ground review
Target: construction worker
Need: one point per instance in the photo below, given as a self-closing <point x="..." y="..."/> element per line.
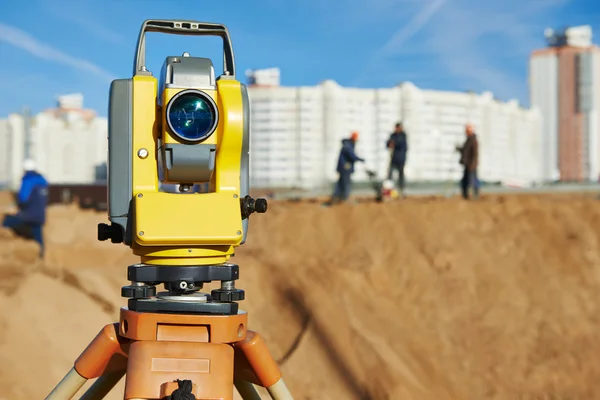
<point x="469" y="158"/>
<point x="32" y="200"/>
<point x="398" y="145"/>
<point x="345" y="169"/>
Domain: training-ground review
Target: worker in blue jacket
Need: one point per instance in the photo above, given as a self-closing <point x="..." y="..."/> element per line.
<point x="345" y="169"/>
<point x="32" y="200"/>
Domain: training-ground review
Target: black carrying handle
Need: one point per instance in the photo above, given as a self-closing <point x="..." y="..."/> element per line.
<point x="184" y="27"/>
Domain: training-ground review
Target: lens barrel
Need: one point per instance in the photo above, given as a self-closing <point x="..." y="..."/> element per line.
<point x="192" y="115"/>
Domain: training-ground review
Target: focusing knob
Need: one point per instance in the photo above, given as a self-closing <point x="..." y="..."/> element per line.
<point x="250" y="205"/>
<point x="138" y="292"/>
<point x="103" y="232"/>
<point x="227" y="296"/>
<point x="260" y="206"/>
<point x="111" y="232"/>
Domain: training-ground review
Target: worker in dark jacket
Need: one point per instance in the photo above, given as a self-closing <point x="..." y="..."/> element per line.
<point x="469" y="158"/>
<point x="398" y="145"/>
<point x="345" y="169"/>
<point x="32" y="200"/>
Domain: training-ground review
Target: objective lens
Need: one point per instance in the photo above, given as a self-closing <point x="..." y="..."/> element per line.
<point x="192" y="115"/>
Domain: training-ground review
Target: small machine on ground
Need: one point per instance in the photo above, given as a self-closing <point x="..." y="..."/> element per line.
<point x="384" y="190"/>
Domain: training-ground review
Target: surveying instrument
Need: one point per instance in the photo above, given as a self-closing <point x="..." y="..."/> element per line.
<point x="191" y="129"/>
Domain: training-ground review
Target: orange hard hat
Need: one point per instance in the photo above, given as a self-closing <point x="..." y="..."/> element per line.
<point x="354" y="136"/>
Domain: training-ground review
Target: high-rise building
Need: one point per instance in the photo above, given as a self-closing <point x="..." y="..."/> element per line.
<point x="565" y="86"/>
<point x="296" y="133"/>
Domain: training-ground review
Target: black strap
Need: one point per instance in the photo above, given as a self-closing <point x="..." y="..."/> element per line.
<point x="184" y="392"/>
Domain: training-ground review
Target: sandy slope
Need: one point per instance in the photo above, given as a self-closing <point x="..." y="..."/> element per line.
<point x="422" y="299"/>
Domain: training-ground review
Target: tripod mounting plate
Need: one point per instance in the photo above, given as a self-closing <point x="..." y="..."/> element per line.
<point x="182" y="283"/>
<point x="192" y="297"/>
<point x="156" y="274"/>
<point x="156" y="305"/>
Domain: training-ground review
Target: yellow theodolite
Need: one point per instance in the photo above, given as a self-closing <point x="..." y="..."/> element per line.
<point x="189" y="128"/>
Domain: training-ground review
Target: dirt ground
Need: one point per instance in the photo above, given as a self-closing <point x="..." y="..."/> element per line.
<point x="420" y="299"/>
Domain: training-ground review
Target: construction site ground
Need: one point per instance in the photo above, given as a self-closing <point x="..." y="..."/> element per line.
<point x="426" y="298"/>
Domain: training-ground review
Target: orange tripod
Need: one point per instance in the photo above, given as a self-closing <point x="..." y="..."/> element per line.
<point x="178" y="345"/>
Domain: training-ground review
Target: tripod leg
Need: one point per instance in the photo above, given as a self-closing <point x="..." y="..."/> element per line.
<point x="254" y="363"/>
<point x="279" y="391"/>
<point x="68" y="386"/>
<point x="246" y="390"/>
<point x="104" y="355"/>
<point x="102" y="386"/>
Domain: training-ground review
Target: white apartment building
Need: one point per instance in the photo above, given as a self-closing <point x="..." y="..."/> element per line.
<point x="4" y="152"/>
<point x="296" y="133"/>
<point x="12" y="150"/>
<point x="68" y="143"/>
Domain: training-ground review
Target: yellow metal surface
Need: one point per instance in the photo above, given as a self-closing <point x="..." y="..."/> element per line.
<point x="190" y="229"/>
<point x="183" y="261"/>
<point x="187" y="251"/>
<point x="145" y="134"/>
<point x="230" y="134"/>
<point x="168" y="219"/>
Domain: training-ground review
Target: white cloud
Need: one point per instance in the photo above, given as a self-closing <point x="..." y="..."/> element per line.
<point x="413" y="26"/>
<point x="97" y="30"/>
<point x="478" y="45"/>
<point x="486" y="45"/>
<point x="28" y="43"/>
<point x="397" y="40"/>
<point x="83" y="15"/>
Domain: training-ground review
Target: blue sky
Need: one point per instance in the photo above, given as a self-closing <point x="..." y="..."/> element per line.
<point x="49" y="47"/>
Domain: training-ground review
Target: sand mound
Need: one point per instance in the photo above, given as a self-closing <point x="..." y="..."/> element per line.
<point x="49" y="312"/>
<point x="18" y="258"/>
<point x="420" y="299"/>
